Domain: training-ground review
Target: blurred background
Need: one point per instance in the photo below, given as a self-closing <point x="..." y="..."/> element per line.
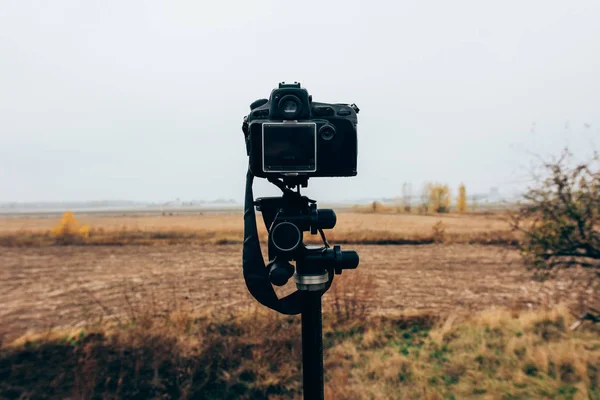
<point x="143" y="101"/>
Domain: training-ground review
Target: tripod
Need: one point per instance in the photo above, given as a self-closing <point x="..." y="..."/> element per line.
<point x="286" y="219"/>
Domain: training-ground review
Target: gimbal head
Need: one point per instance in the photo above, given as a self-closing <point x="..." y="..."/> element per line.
<point x="287" y="218"/>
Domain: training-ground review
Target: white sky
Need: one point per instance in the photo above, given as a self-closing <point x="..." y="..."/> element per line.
<point x="144" y="100"/>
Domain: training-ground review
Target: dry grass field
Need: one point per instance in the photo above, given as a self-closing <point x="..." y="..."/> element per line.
<point x="352" y="227"/>
<point x="347" y="221"/>
<point x="156" y="307"/>
<point x="66" y="286"/>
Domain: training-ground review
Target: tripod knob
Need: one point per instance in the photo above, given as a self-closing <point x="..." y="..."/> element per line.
<point x="322" y="219"/>
<point x="345" y="259"/>
<point x="326" y="218"/>
<point x="280" y="272"/>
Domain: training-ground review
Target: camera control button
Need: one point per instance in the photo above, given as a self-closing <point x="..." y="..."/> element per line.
<point x="327" y="132"/>
<point x="323" y="110"/>
<point x="344" y="112"/>
<point x="260" y="113"/>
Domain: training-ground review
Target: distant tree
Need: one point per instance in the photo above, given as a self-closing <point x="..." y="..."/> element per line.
<point x="407" y="197"/>
<point x="461" y="201"/>
<point x="439" y="198"/>
<point x="435" y="197"/>
<point x="425" y="197"/>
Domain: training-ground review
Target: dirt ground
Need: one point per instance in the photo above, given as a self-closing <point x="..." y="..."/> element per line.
<point x="46" y="287"/>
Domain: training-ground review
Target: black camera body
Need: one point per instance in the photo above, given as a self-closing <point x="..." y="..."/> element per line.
<point x="289" y="135"/>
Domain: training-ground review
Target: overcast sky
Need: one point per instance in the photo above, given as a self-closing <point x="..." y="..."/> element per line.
<point x="143" y="100"/>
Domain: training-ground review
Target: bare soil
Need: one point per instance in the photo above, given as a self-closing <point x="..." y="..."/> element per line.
<point x="70" y="286"/>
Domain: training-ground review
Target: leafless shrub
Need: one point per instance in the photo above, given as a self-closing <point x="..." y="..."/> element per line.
<point x="559" y="220"/>
<point x="560" y="217"/>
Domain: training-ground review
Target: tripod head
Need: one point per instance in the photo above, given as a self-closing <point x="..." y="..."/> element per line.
<point x="287" y="218"/>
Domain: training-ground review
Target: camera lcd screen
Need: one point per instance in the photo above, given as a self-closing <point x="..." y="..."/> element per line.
<point x="290" y="147"/>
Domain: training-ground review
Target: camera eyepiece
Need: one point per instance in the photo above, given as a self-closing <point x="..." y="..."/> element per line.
<point x="290" y="107"/>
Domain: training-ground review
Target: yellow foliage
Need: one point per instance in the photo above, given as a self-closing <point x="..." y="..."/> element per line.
<point x="68" y="225"/>
<point x="84" y="231"/>
<point x="69" y="230"/>
<point x="461" y="202"/>
<point x="439" y="198"/>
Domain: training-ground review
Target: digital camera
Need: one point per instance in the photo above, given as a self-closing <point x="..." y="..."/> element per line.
<point x="289" y="135"/>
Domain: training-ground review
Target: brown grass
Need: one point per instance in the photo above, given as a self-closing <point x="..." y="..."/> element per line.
<point x="352" y="227"/>
<point x="494" y="354"/>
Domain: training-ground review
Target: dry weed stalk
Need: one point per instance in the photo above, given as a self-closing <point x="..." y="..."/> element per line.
<point x="350" y="296"/>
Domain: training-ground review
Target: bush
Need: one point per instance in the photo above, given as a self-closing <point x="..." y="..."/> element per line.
<point x="438" y="231"/>
<point x="560" y="217"/>
<point x="560" y="225"/>
<point x="69" y="230"/>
